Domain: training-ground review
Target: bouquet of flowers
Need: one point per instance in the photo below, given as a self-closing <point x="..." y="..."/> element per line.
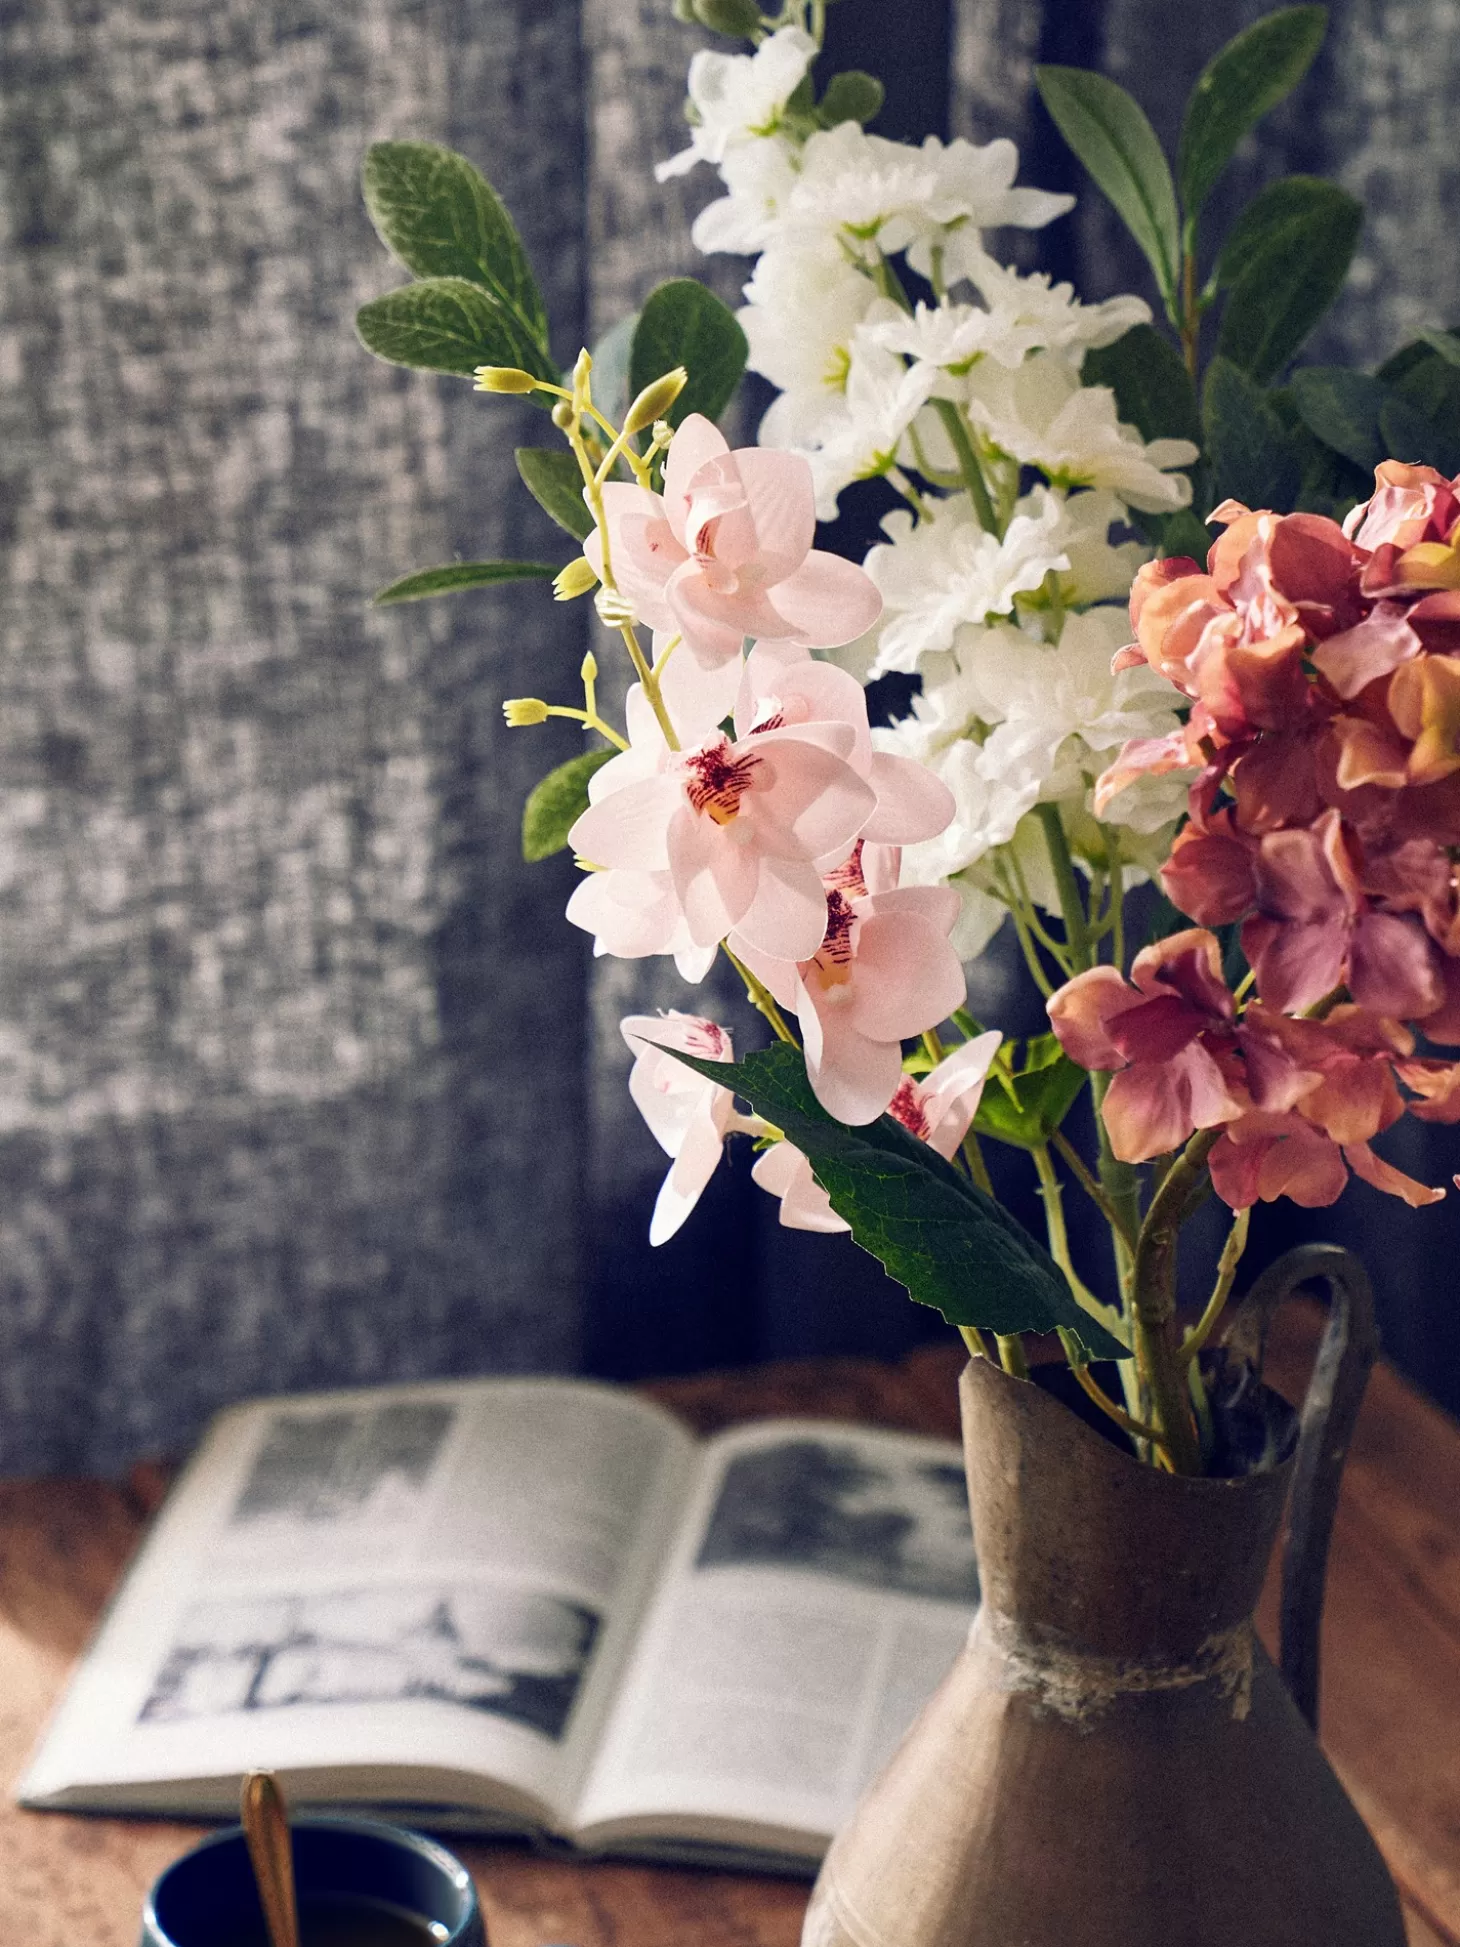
<point x="1278" y="747"/>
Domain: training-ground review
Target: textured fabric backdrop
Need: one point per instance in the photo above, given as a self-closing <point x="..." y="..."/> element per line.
<point x="302" y="1079"/>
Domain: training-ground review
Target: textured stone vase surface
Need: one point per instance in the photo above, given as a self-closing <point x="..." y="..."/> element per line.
<point x="1113" y="1761"/>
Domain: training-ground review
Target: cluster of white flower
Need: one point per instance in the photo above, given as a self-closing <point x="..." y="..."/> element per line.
<point x="992" y="587"/>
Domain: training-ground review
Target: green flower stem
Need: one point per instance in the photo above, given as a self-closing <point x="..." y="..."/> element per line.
<point x="977" y="1344"/>
<point x="1118" y="1219"/>
<point x="957" y="430"/>
<point x="978" y="1169"/>
<point x="1051" y="1195"/>
<point x="589" y="721"/>
<point x="1011" y="1355"/>
<point x="1137" y="1429"/>
<point x="1222" y="1290"/>
<point x="1072" y="906"/>
<point x="1157" y="1345"/>
<point x="761" y="998"/>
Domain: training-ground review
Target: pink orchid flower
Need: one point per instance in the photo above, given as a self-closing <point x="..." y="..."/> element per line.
<point x="725" y="552"/>
<point x="940" y="1106"/>
<point x="783" y="687"/>
<point x="688" y="1116"/>
<point x="634" y="914"/>
<point x="737" y="826"/>
<point x="785" y="1172"/>
<point x="1154" y="1031"/>
<point x="882" y="972"/>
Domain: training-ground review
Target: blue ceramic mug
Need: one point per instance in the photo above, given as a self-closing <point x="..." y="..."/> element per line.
<point x="342" y="1866"/>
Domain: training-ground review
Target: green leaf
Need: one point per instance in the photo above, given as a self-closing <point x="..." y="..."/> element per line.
<point x="460" y="574"/>
<point x="1026" y="1107"/>
<point x="852" y="96"/>
<point x="1252" y="456"/>
<point x="1251" y="75"/>
<point x="1412" y="435"/>
<point x="1184" y="533"/>
<point x="684" y="324"/>
<point x="1446" y="343"/>
<point x="556" y="803"/>
<point x="951" y="1246"/>
<point x="441" y="217"/>
<point x="1342" y="408"/>
<point x="448" y="324"/>
<point x="552" y="478"/>
<point x="1282" y="204"/>
<point x="611" y="368"/>
<point x="1153" y="390"/>
<point x="1292" y="270"/>
<point x="1110" y="134"/>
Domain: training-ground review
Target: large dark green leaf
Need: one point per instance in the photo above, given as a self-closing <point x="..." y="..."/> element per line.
<point x="1252" y="455"/>
<point x="1292" y="269"/>
<point x="1153" y="390"/>
<point x="1026" y="1107"/>
<point x="551" y="475"/>
<point x="556" y="803"/>
<point x="1110" y="134"/>
<point x="449" y="324"/>
<point x="684" y="324"/>
<point x="441" y="217"/>
<point x="1251" y="75"/>
<point x="951" y="1246"/>
<point x="1446" y="343"/>
<point x="1418" y="437"/>
<point x="1342" y="408"/>
<point x="456" y="575"/>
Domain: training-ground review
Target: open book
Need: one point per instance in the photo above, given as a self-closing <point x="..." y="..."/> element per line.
<point x="529" y="1606"/>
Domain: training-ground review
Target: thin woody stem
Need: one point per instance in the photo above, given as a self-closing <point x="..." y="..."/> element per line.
<point x="1222" y="1290"/>
<point x="1153" y="1302"/>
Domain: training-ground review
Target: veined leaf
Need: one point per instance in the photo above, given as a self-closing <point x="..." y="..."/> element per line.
<point x="935" y="1232"/>
<point x="440" y="216"/>
<point x="1250" y="75"/>
<point x="684" y="324"/>
<point x="550" y="474"/>
<point x="449" y="324"/>
<point x="1025" y="1107"/>
<point x="456" y="575"/>
<point x="1153" y="390"/>
<point x="1253" y="458"/>
<point x="1342" y="408"/>
<point x="1110" y="134"/>
<point x="556" y="803"/>
<point x="1293" y="267"/>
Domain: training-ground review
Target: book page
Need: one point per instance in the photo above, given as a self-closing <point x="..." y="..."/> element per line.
<point x="439" y="1576"/>
<point x="823" y="1584"/>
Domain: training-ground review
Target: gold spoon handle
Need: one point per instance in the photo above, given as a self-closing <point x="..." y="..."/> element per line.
<point x="266" y="1831"/>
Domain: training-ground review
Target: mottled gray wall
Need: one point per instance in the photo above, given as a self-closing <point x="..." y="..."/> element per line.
<point x="280" y="1015"/>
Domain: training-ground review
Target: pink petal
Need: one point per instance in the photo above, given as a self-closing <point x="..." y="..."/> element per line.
<point x="643" y="552"/>
<point x="786" y="917"/>
<point x="781" y="502"/>
<point x="1358" y="656"/>
<point x="698" y="696"/>
<point x="905" y="978"/>
<point x="800" y="693"/>
<point x="912" y="804"/>
<point x="1146" y="1111"/>
<point x="695" y="443"/>
<point x="853" y="1076"/>
<point x="1081" y="1013"/>
<point x="805" y="802"/>
<point x="682" y="1189"/>
<point x="784" y="1171"/>
<point x="1157" y="1030"/>
<point x="706" y="612"/>
<point x="826" y="602"/>
<point x="1188" y="963"/>
<point x="952" y="1091"/>
<point x="1295" y="965"/>
<point x="630" y="828"/>
<point x="1373" y="1169"/>
<point x="714" y="878"/>
<point x="628" y="913"/>
<point x="1392" y="967"/>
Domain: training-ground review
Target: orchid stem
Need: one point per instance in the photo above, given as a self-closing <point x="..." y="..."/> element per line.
<point x="761" y="998"/>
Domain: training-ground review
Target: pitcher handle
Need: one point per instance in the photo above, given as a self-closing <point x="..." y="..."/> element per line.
<point x="1330" y="1409"/>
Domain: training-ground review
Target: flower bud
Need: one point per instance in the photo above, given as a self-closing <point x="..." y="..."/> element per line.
<point x="850" y="97"/>
<point x="742" y="18"/>
<point x="522" y="712"/>
<point x="504" y="378"/>
<point x="581" y="371"/>
<point x="588" y="669"/>
<point x="655" y="400"/>
<point x="563" y="415"/>
<point x="574" y="580"/>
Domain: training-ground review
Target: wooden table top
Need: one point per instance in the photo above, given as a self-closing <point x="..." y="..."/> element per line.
<point x="1391" y="1677"/>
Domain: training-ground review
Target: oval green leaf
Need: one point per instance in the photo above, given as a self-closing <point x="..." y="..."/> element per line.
<point x="449" y="324"/>
<point x="556" y="803"/>
<point x="1110" y="134"/>
<point x="1250" y="76"/>
<point x="684" y="324"/>
<point x="1289" y="281"/>
<point x="551" y="475"/>
<point x="456" y="575"/>
<point x="437" y="213"/>
<point x="1341" y="408"/>
<point x="1252" y="456"/>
